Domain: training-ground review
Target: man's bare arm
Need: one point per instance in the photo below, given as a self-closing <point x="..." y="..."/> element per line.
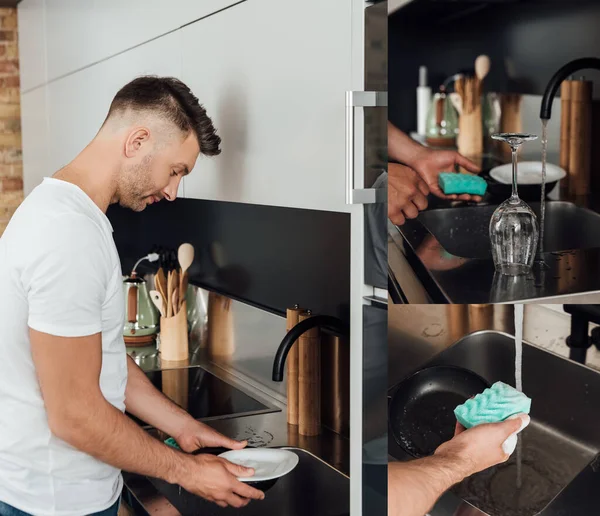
<point x="147" y="403"/>
<point x="414" y="487"/>
<point x="68" y="371"/>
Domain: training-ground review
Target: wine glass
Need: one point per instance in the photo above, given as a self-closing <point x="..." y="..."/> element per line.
<point x="514" y="226"/>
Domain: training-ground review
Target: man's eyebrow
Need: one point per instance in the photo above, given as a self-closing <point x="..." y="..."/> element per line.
<point x="186" y="171"/>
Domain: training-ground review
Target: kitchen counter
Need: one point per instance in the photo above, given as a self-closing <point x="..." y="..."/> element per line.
<point x="265" y="429"/>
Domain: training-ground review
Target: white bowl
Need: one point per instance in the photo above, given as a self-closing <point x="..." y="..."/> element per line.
<point x="528" y="173"/>
<point x="268" y="463"/>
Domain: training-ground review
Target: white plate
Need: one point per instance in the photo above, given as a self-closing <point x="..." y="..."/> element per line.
<point x="528" y="173"/>
<point x="268" y="463"/>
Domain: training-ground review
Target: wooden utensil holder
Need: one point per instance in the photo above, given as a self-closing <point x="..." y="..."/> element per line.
<point x="293" y="317"/>
<point x="174" y="344"/>
<point x="309" y="382"/>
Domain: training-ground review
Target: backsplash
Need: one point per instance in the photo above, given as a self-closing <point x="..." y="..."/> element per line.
<point x="266" y="256"/>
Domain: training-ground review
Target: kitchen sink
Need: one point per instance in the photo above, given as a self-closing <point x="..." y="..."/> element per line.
<point x="560" y="445"/>
<point x="464" y="231"/>
<point x="313" y="487"/>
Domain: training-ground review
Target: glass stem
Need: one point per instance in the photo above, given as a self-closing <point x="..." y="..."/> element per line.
<point x="515" y="194"/>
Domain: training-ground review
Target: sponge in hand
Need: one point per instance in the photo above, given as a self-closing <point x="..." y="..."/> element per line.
<point x="451" y="183"/>
<point x="495" y="404"/>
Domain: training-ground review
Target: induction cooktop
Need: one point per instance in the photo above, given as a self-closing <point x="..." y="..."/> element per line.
<point x="204" y="395"/>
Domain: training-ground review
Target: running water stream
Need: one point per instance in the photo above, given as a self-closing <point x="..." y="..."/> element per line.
<point x="540" y="260"/>
<point x="519" y="376"/>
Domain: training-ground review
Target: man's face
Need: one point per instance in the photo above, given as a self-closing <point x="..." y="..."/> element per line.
<point x="156" y="173"/>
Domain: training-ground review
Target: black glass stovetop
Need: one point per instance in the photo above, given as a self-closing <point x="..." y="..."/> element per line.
<point x="204" y="395"/>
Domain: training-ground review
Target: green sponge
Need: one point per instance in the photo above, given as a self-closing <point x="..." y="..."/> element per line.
<point x="451" y="183"/>
<point x="172" y="442"/>
<point x="495" y="404"/>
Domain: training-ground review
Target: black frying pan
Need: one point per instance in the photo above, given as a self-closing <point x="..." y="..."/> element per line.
<point x="421" y="412"/>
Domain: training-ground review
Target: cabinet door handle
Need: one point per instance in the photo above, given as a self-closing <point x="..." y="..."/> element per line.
<point x="354" y="100"/>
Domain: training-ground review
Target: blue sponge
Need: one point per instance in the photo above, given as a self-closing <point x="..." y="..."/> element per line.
<point x="495" y="404"/>
<point x="451" y="183"/>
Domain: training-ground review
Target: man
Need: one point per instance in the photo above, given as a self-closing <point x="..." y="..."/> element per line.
<point x="65" y="377"/>
<point x="410" y="183"/>
<point x="414" y="487"/>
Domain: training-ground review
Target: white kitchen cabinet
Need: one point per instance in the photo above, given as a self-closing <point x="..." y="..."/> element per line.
<point x="78" y="103"/>
<point x="273" y="76"/>
<point x="32" y="43"/>
<point x="83" y="32"/>
<point x="35" y="138"/>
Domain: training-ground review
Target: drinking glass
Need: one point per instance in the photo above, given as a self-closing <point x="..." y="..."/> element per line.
<point x="514" y="226"/>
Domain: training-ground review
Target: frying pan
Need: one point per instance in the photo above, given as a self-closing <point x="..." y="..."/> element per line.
<point x="421" y="411"/>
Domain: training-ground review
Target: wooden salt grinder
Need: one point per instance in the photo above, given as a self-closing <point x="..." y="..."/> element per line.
<point x="309" y="381"/>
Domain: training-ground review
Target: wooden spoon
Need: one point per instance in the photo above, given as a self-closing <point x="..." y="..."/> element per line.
<point x="482" y="66"/>
<point x="185" y="255"/>
<point x="157" y="299"/>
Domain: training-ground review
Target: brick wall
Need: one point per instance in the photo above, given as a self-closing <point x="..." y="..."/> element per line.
<point x="11" y="166"/>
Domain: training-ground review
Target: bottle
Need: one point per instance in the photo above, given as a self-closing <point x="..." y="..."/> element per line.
<point x="423" y="101"/>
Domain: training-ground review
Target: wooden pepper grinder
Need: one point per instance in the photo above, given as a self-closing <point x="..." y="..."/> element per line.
<point x="293" y="318"/>
<point x="481" y="317"/>
<point x="565" y="134"/>
<point x="309" y="381"/>
<point x="580" y="138"/>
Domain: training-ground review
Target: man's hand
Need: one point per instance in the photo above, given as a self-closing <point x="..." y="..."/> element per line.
<point x="407" y="193"/>
<point x="430" y="163"/>
<point x="215" y="479"/>
<point x="480" y="447"/>
<point x="196" y="435"/>
<point x="414" y="486"/>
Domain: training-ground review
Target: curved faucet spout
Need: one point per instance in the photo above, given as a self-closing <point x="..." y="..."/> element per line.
<point x="295" y="333"/>
<point x="568" y="69"/>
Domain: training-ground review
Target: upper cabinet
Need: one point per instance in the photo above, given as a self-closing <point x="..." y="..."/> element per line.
<point x="79" y="103"/>
<point x="273" y="77"/>
<point x="82" y="32"/>
<point x="32" y="43"/>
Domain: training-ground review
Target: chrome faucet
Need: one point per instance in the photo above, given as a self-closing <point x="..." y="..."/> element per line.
<point x="568" y="69"/>
<point x="325" y="321"/>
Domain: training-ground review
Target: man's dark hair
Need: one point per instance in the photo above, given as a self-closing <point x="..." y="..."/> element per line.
<point x="174" y="100"/>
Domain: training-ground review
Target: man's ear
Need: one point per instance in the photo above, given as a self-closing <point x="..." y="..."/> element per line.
<point x="136" y="139"/>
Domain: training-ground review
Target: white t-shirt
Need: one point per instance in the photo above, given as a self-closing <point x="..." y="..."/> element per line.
<point x="59" y="274"/>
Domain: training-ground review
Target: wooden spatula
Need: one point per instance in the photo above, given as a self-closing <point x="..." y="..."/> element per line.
<point x="160" y="282"/>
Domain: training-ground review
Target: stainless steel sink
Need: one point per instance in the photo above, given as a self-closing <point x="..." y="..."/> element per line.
<point x="562" y="441"/>
<point x="464" y="231"/>
<point x="312" y="488"/>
